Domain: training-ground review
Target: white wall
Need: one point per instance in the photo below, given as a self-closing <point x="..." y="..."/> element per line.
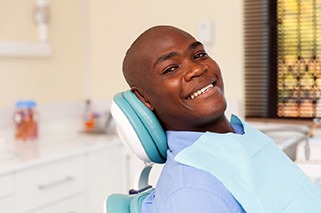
<point x="90" y="37"/>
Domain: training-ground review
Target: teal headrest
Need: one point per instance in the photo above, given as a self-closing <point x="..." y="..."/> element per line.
<point x="139" y="128"/>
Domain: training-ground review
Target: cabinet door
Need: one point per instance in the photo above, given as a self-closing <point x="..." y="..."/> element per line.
<point x="7" y="204"/>
<point x="6" y="193"/>
<point x="73" y="205"/>
<point x="131" y="169"/>
<point x="49" y="183"/>
<point x="104" y="176"/>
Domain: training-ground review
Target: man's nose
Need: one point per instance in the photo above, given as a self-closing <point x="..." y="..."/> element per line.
<point x="194" y="69"/>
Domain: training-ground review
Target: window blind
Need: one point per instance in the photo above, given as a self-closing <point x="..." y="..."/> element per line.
<point x="256" y="51"/>
<point x="282" y="48"/>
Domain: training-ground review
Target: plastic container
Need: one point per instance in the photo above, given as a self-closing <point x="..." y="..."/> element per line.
<point x="89" y="117"/>
<point x="26" y="120"/>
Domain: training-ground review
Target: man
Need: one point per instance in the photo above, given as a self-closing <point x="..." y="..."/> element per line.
<point x="171" y="73"/>
<point x="213" y="165"/>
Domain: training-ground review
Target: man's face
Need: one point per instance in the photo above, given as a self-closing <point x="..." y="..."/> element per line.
<point x="182" y="83"/>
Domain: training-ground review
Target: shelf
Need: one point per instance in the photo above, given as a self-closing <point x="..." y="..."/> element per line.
<point x="25" y="49"/>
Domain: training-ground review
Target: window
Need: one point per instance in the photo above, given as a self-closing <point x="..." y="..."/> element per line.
<point x="282" y="58"/>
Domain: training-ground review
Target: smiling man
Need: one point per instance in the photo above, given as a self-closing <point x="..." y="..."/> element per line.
<point x="171" y="73"/>
<point x="213" y="164"/>
<point x="173" y="76"/>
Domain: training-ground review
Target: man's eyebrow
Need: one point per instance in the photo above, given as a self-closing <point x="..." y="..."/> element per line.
<point x="195" y="44"/>
<point x="171" y="54"/>
<point x="165" y="57"/>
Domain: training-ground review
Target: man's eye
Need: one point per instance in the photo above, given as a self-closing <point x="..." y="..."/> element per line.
<point x="169" y="69"/>
<point x="200" y="55"/>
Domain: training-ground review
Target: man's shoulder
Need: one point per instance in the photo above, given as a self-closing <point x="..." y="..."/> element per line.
<point x="182" y="188"/>
<point x="197" y="191"/>
<point x="176" y="176"/>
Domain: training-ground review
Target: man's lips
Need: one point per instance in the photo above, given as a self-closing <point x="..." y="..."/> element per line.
<point x="202" y="90"/>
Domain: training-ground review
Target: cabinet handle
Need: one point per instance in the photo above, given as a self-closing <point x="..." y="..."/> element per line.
<point x="55" y="183"/>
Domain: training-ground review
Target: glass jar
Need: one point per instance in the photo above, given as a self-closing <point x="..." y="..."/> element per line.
<point x="26" y="120"/>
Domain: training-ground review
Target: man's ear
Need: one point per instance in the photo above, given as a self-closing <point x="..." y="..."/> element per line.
<point x="143" y="99"/>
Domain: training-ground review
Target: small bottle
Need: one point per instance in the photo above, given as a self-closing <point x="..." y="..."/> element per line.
<point x="26" y="120"/>
<point x="89" y="117"/>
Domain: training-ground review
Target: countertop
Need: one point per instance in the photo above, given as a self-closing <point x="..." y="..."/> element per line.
<point x="19" y="155"/>
<point x="61" y="135"/>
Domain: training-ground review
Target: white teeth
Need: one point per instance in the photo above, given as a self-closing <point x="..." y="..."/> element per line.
<point x="201" y="91"/>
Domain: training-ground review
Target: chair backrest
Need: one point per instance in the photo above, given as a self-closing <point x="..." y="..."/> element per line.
<point x="140" y="130"/>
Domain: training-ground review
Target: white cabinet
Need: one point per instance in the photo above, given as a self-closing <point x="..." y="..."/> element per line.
<point x="104" y="178"/>
<point x="6" y="193"/>
<point x="7" y="204"/>
<point x="50" y="183"/>
<point x="74" y="205"/>
<point x="131" y="170"/>
<point x="77" y="180"/>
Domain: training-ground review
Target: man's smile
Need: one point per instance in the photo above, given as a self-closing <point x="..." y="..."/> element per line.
<point x="203" y="90"/>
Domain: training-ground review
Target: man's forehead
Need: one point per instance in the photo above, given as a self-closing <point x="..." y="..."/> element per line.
<point x="161" y="40"/>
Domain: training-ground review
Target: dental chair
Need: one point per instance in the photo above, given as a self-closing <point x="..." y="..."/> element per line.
<point x="141" y="132"/>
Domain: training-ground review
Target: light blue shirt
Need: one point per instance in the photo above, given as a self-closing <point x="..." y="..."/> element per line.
<point x="184" y="189"/>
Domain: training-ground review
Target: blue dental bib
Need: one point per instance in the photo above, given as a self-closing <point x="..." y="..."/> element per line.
<point x="258" y="174"/>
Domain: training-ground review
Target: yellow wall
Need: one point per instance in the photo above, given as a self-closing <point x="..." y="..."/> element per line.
<point x="57" y="79"/>
<point x="89" y="39"/>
